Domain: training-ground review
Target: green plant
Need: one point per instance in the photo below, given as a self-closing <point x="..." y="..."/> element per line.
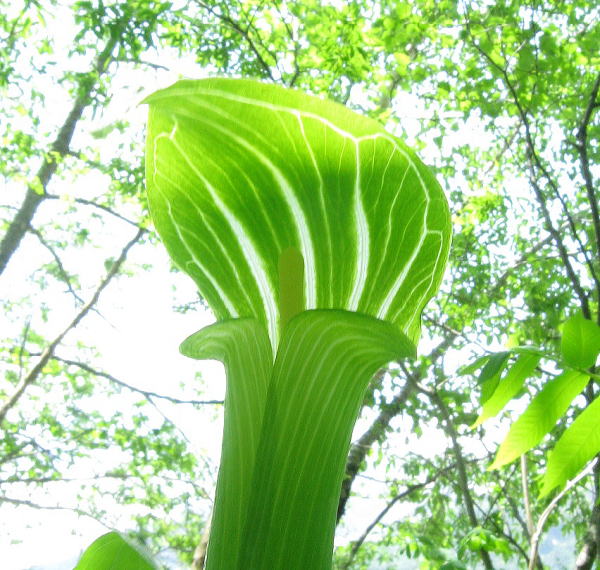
<point x="317" y="239"/>
<point x="113" y="550"/>
<point x="579" y="350"/>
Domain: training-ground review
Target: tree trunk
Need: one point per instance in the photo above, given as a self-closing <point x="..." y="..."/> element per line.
<point x="59" y="148"/>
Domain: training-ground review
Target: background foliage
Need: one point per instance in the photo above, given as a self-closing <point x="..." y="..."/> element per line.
<point x="502" y="100"/>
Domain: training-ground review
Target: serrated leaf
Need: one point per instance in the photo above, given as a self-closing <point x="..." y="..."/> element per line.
<point x="508" y="387"/>
<point x="113" y="550"/>
<point x="540" y="416"/>
<point x="579" y="444"/>
<point x="580" y="342"/>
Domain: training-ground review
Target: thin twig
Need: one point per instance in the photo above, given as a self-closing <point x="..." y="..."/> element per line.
<point x="548" y="511"/>
<point x="582" y="147"/>
<point x="461" y="470"/>
<point x="77" y="510"/>
<point x="96" y="205"/>
<point x="36" y="194"/>
<point x="146" y="393"/>
<point x="409" y="490"/>
<point x="244" y="33"/>
<point x="49" y="351"/>
<point x="526" y="496"/>
<point x="536" y="163"/>
<point x="59" y="264"/>
<point x="143" y="62"/>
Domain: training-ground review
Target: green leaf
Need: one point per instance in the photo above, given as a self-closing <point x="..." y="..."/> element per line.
<point x="579" y="444"/>
<point x="540" y="416"/>
<point x="490" y="375"/>
<point x="508" y="387"/>
<point x="285" y="500"/>
<point x="113" y="550"/>
<point x="317" y="239"/>
<point x="243" y="347"/>
<point x="580" y="343"/>
<point x="474" y="366"/>
<point x="239" y="171"/>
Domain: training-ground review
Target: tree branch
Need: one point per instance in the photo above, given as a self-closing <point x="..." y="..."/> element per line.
<point x="536" y="163"/>
<point x="582" y="147"/>
<point x="590" y="551"/>
<point x="463" y="481"/>
<point x="61" y="269"/>
<point x="245" y="35"/>
<point x="409" y="490"/>
<point x="535" y="539"/>
<point x="59" y="148"/>
<point x="360" y="449"/>
<point x="98" y="206"/>
<point x="146" y="393"/>
<point x="77" y="510"/>
<point x="47" y="354"/>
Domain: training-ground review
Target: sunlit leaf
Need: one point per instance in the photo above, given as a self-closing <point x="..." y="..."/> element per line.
<point x="580" y="343"/>
<point x="112" y="551"/>
<point x="540" y="416"/>
<point x="490" y="375"/>
<point x="317" y="238"/>
<point x="239" y="171"/>
<point x="509" y="386"/>
<point x="579" y="444"/>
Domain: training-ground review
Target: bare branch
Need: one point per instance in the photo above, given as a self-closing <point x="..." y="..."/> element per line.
<point x="360" y="449"/>
<point x="463" y="481"/>
<point x="590" y="549"/>
<point x="526" y="496"/>
<point x="96" y="205"/>
<point x="292" y="36"/>
<point x="143" y="62"/>
<point x="49" y="351"/>
<point x="582" y="147"/>
<point x="510" y="499"/>
<point x="409" y="490"/>
<point x="564" y="254"/>
<point x="146" y="393"/>
<point x="536" y="164"/>
<point x="201" y="549"/>
<point x="61" y="268"/>
<point x="76" y="510"/>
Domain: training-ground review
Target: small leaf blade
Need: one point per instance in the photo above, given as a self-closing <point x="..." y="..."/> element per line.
<point x="540" y="416"/>
<point x="579" y="444"/>
<point x="508" y="387"/>
<point x="580" y="342"/>
<point x="114" y="550"/>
